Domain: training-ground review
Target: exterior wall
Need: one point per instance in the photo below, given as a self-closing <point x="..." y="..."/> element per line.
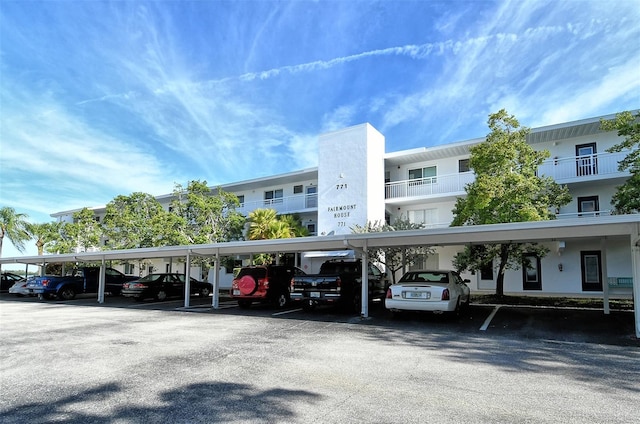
<point x="347" y="190"/>
<point x="350" y="177"/>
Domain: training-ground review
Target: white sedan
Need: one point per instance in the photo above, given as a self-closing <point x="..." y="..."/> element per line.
<point x="435" y="291"/>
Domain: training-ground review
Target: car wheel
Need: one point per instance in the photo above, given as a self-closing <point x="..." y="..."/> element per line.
<point x="395" y="314"/>
<point x="161" y="295"/>
<point x="244" y="304"/>
<point x="456" y="312"/>
<point x="205" y="292"/>
<point x="66" y="293"/>
<point x="282" y="300"/>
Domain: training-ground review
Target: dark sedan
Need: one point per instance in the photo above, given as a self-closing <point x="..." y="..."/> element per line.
<point x="163" y="286"/>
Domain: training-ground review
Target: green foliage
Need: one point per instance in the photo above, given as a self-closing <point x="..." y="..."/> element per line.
<point x="13" y="227"/>
<point x="265" y="224"/>
<point x="138" y="221"/>
<point x="626" y="200"/>
<point x="44" y="234"/>
<point x="395" y="258"/>
<point x="506" y="189"/>
<point x="207" y="217"/>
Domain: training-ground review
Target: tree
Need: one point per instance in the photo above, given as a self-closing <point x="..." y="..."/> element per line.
<point x="295" y="225"/>
<point x="506" y="189"/>
<point x="85" y="232"/>
<point x="138" y="221"/>
<point x="44" y="234"/>
<point x="395" y="258"/>
<point x="265" y="224"/>
<point x="13" y="226"/>
<point x="207" y="217"/>
<point x="627" y="197"/>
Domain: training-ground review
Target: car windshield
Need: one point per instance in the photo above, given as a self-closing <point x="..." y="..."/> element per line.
<point x="425" y="276"/>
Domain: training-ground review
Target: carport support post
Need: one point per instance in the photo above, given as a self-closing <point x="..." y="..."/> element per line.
<point x="187" y="280"/>
<point x="216" y="282"/>
<point x="635" y="269"/>
<point x="101" y="281"/>
<point x="364" y="297"/>
<point x="605" y="276"/>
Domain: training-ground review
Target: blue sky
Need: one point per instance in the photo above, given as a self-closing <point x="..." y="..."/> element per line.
<point x="100" y="99"/>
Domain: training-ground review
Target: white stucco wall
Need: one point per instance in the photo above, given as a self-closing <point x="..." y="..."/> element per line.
<point x="350" y="177"/>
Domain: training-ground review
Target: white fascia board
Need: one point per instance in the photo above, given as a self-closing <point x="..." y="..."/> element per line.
<point x="564" y="229"/>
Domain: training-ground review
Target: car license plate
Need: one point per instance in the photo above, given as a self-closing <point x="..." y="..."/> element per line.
<point x="236" y="292"/>
<point x="314" y="294"/>
<point x="418" y="295"/>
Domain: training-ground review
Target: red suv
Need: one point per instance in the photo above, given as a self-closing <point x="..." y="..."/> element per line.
<point x="263" y="283"/>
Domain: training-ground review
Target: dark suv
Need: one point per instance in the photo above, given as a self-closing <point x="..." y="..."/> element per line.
<point x="263" y="283"/>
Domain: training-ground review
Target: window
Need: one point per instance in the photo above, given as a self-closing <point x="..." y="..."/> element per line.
<point x="425" y="216"/>
<point x="241" y="199"/>
<point x="463" y="165"/>
<point x="312" y="229"/>
<point x="591" y="270"/>
<point x="586" y="160"/>
<point x="128" y="268"/>
<point x="273" y="196"/>
<point x="486" y="272"/>
<point x="425" y="175"/>
<point x="387" y="177"/>
<point x="531" y="272"/>
<point x="588" y="206"/>
<point x="297" y="189"/>
<point x="311" y="200"/>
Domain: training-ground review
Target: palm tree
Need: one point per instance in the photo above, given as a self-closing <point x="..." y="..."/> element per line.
<point x="295" y="226"/>
<point x="261" y="223"/>
<point x="44" y="234"/>
<point x="13" y="226"/>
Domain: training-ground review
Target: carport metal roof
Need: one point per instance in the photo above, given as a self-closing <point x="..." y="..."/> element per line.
<point x="604" y="227"/>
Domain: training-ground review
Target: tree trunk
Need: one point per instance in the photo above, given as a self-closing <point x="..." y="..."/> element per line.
<point x="504" y="258"/>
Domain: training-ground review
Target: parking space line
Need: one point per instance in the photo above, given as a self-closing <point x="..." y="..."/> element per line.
<point x="489" y="318"/>
<point x="286" y="312"/>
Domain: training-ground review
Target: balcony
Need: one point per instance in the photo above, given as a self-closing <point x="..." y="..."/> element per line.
<point x="442" y="185"/>
<point x="563" y="170"/>
<point x="583" y="168"/>
<point x="283" y="205"/>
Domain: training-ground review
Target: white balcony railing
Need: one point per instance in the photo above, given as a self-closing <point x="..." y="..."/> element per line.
<point x="282" y="205"/>
<point x="582" y="167"/>
<point x="562" y="170"/>
<point x="440" y="185"/>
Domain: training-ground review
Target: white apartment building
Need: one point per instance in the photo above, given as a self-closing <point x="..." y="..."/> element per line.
<point x="357" y="182"/>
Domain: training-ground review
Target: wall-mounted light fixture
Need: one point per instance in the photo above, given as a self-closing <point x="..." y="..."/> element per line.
<point x="560" y="267"/>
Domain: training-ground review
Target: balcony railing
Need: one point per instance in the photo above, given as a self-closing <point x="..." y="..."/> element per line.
<point x="582" y="167"/>
<point x="282" y="205"/>
<point x="562" y="170"/>
<point x="440" y="185"/>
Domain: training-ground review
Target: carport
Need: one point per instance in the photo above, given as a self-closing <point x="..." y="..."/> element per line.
<point x="618" y="227"/>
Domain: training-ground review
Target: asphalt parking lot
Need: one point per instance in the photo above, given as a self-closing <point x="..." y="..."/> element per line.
<point x="122" y="361"/>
